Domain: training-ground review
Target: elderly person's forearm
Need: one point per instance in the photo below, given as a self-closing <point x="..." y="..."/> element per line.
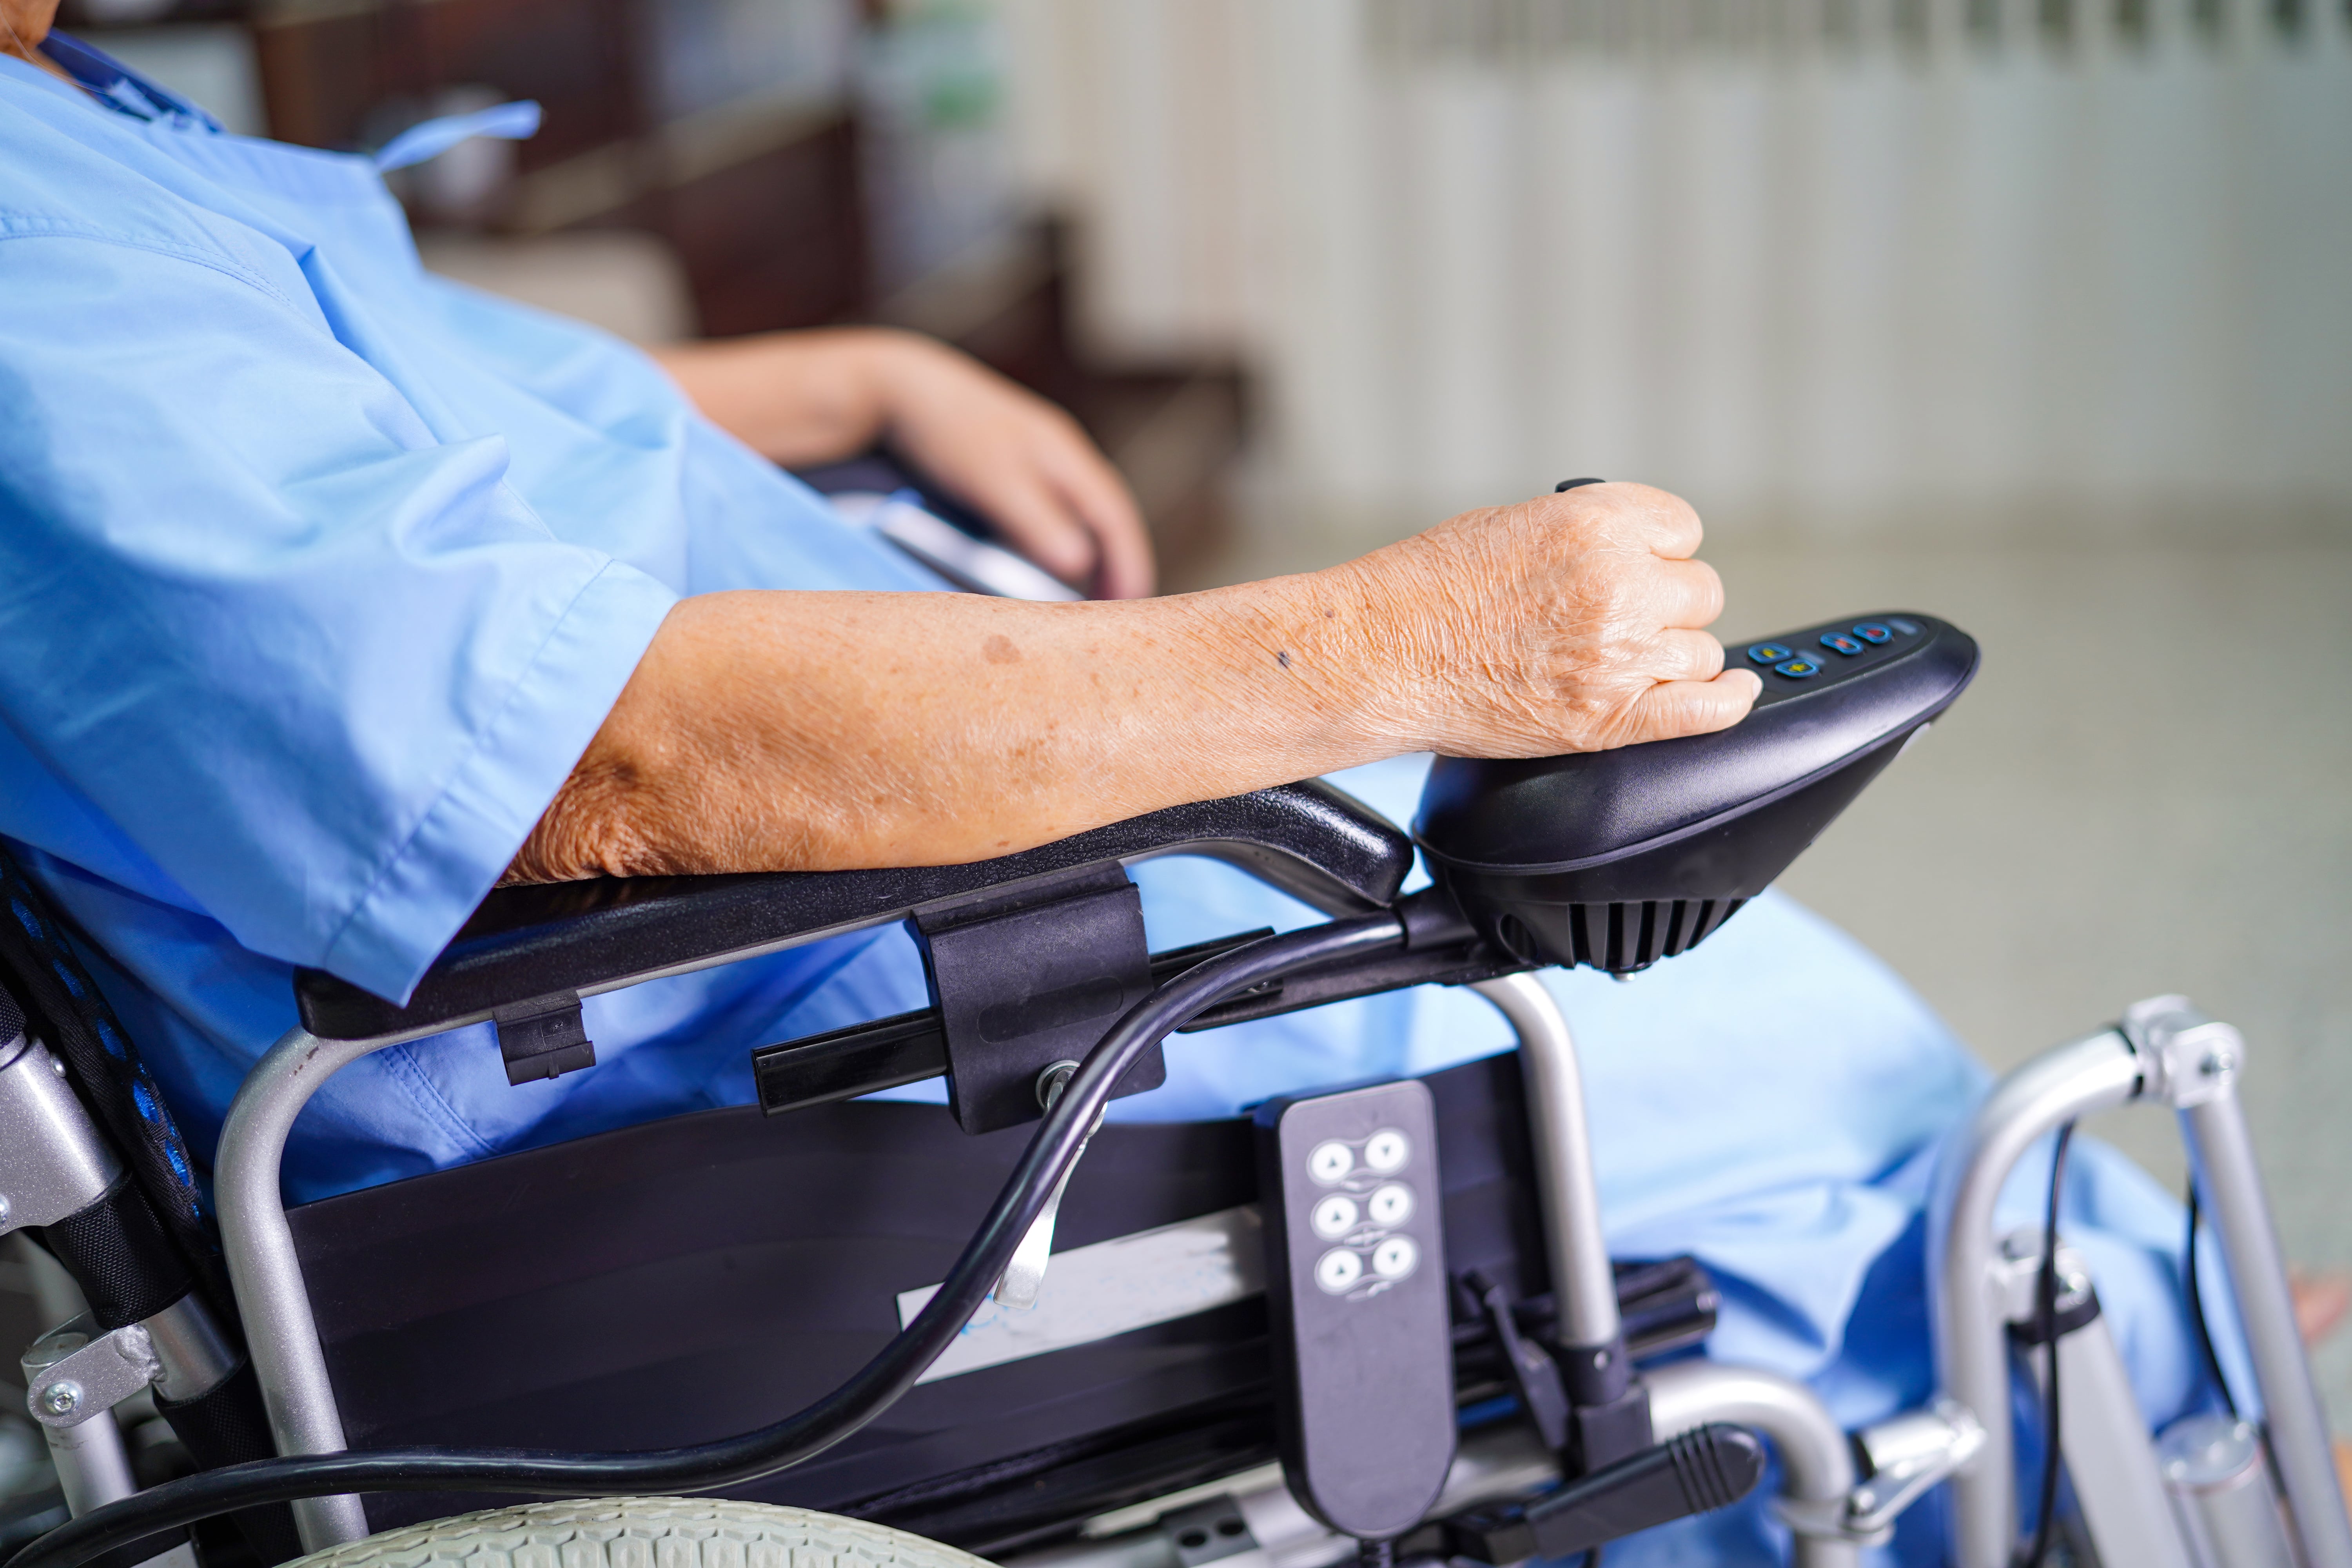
<point x="821" y="731"/>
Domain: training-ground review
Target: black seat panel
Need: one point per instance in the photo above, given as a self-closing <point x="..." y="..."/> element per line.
<point x="685" y="1279"/>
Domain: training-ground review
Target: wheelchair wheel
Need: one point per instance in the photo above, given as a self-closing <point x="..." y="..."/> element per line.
<point x="643" y="1532"/>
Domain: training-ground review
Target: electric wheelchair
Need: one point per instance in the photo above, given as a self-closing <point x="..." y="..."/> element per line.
<point x="1377" y="1320"/>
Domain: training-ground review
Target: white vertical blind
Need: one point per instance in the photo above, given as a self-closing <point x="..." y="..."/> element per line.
<point x="1825" y="263"/>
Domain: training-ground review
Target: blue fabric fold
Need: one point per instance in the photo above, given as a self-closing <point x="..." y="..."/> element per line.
<point x="514" y="121"/>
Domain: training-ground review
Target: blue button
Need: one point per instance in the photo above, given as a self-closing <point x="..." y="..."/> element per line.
<point x="1838" y="642"/>
<point x="1872" y="633"/>
<point x="1768" y="652"/>
<point x="1798" y="668"/>
<point x="1907" y="628"/>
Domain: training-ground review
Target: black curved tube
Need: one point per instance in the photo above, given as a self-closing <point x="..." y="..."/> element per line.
<point x="873" y="1389"/>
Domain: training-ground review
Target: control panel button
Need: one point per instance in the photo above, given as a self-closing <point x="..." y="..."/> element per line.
<point x="1391" y="1204"/>
<point x="1339" y="1269"/>
<point x="1336" y="1215"/>
<point x="1908" y="628"/>
<point x="1387" y="1150"/>
<point x="1875" y="633"/>
<point x="1394" y="1258"/>
<point x="1330" y="1162"/>
<point x="1768" y="652"/>
<point x="1798" y="669"/>
<point x="1838" y="642"/>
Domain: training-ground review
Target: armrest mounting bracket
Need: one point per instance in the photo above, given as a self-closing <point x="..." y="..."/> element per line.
<point x="1032" y="975"/>
<point x="543" y="1037"/>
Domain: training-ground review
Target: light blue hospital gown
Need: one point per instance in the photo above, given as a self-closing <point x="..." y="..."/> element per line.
<point x="318" y="573"/>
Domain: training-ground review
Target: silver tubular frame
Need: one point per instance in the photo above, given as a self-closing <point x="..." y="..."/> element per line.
<point x="53" y="1160"/>
<point x="2103" y="1435"/>
<point x="2166" y="1051"/>
<point x="1964" y="1292"/>
<point x="1816" y="1460"/>
<point x="2200" y="1060"/>
<point x="1577" y="1253"/>
<point x="279" y="1331"/>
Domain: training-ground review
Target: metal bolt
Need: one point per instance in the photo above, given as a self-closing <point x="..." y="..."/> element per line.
<point x="1053" y="1079"/>
<point x="61" y="1397"/>
<point x="2216" y="1063"/>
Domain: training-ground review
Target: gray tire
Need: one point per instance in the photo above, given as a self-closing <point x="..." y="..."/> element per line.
<point x="643" y="1532"/>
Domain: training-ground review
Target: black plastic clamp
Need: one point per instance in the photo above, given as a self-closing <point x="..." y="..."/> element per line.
<point x="1534" y="1373"/>
<point x="1609" y="1404"/>
<point x="543" y="1037"/>
<point x="1029" y="975"/>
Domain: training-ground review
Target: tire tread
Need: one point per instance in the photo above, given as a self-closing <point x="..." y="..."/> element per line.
<point x="643" y="1532"/>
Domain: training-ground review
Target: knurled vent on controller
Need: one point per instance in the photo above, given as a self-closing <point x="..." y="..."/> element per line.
<point x="1619" y="938"/>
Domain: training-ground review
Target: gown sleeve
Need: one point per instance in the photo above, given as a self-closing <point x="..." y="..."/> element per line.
<point x="321" y="668"/>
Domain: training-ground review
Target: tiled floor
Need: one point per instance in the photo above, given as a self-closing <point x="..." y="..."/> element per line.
<point x="2148" y="789"/>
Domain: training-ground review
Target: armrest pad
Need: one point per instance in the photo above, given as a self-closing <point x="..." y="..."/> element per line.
<point x="1310" y="840"/>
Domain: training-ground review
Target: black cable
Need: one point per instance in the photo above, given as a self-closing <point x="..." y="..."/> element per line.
<point x="873" y="1389"/>
<point x="2045" y="1311"/>
<point x="2196" y="1304"/>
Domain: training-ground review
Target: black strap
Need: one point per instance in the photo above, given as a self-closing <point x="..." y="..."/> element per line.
<point x="118" y="1254"/>
<point x="38" y="963"/>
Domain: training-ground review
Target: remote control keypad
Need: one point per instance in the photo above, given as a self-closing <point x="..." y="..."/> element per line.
<point x="1375" y="1195"/>
<point x="1819" y="656"/>
<point x="1360" y="1334"/>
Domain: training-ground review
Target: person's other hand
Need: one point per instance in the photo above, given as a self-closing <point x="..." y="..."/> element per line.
<point x="1569" y="623"/>
<point x="1020" y="462"/>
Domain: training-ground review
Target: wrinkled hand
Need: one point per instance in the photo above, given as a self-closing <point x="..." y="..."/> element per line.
<point x="1569" y="623"/>
<point x="1020" y="462"/>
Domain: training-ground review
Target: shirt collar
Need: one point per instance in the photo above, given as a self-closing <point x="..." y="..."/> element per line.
<point x="121" y="88"/>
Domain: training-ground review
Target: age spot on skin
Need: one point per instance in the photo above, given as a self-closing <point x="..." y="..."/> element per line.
<point x="999" y="649"/>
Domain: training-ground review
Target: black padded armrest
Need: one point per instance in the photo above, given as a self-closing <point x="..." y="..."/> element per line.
<point x="1309" y="839"/>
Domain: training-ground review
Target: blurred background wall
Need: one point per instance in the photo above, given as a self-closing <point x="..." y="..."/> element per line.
<point x="2034" y="314"/>
<point x="1825" y="264"/>
<point x="1820" y="265"/>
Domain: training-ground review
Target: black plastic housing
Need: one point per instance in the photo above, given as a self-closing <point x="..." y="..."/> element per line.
<point x="1699" y="1471"/>
<point x="1616" y="859"/>
<point x="1310" y="840"/>
<point x="1363" y="1361"/>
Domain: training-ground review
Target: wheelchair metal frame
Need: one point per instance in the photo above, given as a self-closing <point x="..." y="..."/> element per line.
<point x="299" y="1392"/>
<point x="2163" y="1052"/>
